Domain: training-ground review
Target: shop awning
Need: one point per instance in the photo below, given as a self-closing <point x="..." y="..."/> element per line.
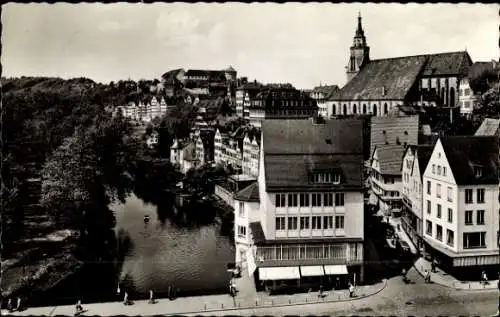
<point x="279" y="273"/>
<point x="312" y="270"/>
<point x="335" y="269"/>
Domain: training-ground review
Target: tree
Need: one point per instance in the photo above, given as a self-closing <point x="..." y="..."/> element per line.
<point x="85" y="174"/>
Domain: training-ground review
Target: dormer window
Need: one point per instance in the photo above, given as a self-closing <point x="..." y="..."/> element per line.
<point x="326" y="178"/>
<point x="478" y="171"/>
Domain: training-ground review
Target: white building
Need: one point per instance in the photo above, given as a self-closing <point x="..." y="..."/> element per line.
<point x="251" y="154"/>
<point x="183" y="155"/>
<point x="145" y="112"/>
<point x="460" y="201"/>
<point x="413" y="166"/>
<point x="322" y="95"/>
<point x="311" y="202"/>
<point x="246" y="211"/>
<point x="385" y="176"/>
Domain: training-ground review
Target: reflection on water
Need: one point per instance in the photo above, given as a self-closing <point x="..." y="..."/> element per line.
<point x="193" y="259"/>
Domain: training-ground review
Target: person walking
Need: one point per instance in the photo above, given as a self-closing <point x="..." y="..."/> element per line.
<point x="10" y="308"/>
<point x="18" y="307"/>
<point x="126" y="301"/>
<point x="351" y="290"/>
<point x="320" y="294"/>
<point x="427" y="277"/>
<point x="78" y="308"/>
<point x="151" y="298"/>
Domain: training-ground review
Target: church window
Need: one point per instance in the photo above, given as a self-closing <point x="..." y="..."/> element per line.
<point x="354" y="110"/>
<point x="364" y="108"/>
<point x="374" y="110"/>
<point x="345" y="108"/>
<point x="386" y="109"/>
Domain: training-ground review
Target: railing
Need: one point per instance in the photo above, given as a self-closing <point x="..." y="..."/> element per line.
<point x="345" y="252"/>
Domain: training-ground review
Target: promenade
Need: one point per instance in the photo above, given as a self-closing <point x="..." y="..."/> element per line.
<point x="203" y="304"/>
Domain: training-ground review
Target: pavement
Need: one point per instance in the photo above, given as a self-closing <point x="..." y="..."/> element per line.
<point x="440" y="277"/>
<point x="204" y="304"/>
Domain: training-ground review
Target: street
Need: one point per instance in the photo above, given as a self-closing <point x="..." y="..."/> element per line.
<point x="398" y="299"/>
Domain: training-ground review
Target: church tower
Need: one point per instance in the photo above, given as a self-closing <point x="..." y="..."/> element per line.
<point x="360" y="52"/>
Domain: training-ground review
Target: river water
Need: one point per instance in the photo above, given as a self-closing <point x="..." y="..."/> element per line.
<point x="165" y="254"/>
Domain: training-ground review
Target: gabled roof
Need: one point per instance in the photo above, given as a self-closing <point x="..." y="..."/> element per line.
<point x="488" y="127"/>
<point x="464" y="152"/>
<point x="249" y="193"/>
<point x="390" y="130"/>
<point x="451" y="63"/>
<point x="304" y="147"/>
<point x="327" y="91"/>
<point x="423" y="153"/>
<point x="395" y="75"/>
<point x="389" y="158"/>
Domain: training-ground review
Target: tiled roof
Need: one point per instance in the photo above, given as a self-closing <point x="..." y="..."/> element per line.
<point x="389" y="158"/>
<point x="327" y="91"/>
<point x="390" y="130"/>
<point x="398" y="75"/>
<point x="478" y="67"/>
<point x="463" y="152"/>
<point x="303" y="147"/>
<point x="302" y="136"/>
<point x="453" y="63"/>
<point x="249" y="193"/>
<point x="488" y="127"/>
<point x="211" y="74"/>
<point x="395" y="75"/>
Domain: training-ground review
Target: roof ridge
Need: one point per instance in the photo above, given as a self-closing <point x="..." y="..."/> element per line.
<point x="418" y="55"/>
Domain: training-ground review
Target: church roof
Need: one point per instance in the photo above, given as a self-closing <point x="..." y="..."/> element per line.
<point x="392" y="78"/>
<point x="384" y="79"/>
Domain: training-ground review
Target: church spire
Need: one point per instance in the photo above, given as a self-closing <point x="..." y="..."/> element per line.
<point x="360" y="52"/>
<point x="359" y="30"/>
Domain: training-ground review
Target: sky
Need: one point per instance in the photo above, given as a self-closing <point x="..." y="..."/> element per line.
<point x="305" y="44"/>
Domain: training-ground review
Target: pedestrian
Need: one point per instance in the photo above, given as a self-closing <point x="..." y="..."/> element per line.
<point x="337" y="283"/>
<point x="169" y="292"/>
<point x="427" y="276"/>
<point x="125" y="299"/>
<point x="320" y="291"/>
<point x="151" y="298"/>
<point x="118" y="291"/>
<point x="78" y="307"/>
<point x="351" y="290"/>
<point x="18" y="307"/>
<point x="485" y="278"/>
<point x="10" y="308"/>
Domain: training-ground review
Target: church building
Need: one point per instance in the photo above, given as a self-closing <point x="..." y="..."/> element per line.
<point x="383" y="87"/>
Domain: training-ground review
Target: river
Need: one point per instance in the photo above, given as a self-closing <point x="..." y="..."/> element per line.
<point x="161" y="253"/>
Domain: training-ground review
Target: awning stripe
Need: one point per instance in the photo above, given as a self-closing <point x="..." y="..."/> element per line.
<point x="336" y="270"/>
<point x="312" y="270"/>
<point x="279" y="273"/>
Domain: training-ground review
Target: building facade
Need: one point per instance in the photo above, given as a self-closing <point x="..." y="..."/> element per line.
<point x="385" y="177"/>
<point x="145" y="112"/>
<point x="251" y="154"/>
<point x="311" y="203"/>
<point x="245" y="94"/>
<point x="413" y="166"/>
<point x="246" y="211"/>
<point x="460" y="201"/>
<point x="322" y="95"/>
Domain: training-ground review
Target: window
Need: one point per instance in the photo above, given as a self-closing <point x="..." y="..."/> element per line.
<point x="450" y="215"/>
<point x="339" y="222"/>
<point x="428" y="187"/>
<point x="336" y="178"/>
<point x="316" y="200"/>
<point x="433" y="168"/>
<point x="438" y="190"/>
<point x="428" y="207"/>
<point x="439" y="233"/>
<point x="292" y="223"/>
<point x="242" y="210"/>
<point x="468" y="217"/>
<point x="339" y="199"/>
<point x="304" y="223"/>
<point x="474" y="240"/>
<point x="242" y="231"/>
<point x="280" y="223"/>
<point x="316" y="222"/>
<point x="480" y="217"/>
<point x="450" y="237"/>
<point x="478" y="171"/>
<point x="327" y="199"/>
<point x="428" y="227"/>
<point x="280" y="200"/>
<point x="444" y="170"/>
<point x="468" y="196"/>
<point x="292" y="200"/>
<point x="327" y="222"/>
<point x="439" y="169"/>
<point x="438" y="215"/>
<point x="480" y="195"/>
<point x="450" y="194"/>
<point x="304" y="200"/>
